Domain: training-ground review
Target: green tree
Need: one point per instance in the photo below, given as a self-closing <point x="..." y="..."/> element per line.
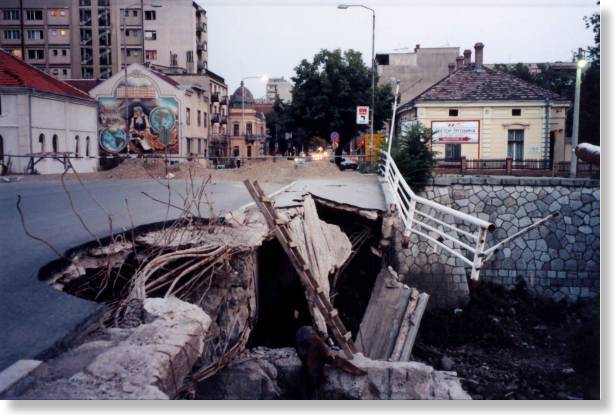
<point x="413" y="156"/>
<point x="279" y="122"/>
<point x="589" y="109"/>
<point x="327" y="91"/>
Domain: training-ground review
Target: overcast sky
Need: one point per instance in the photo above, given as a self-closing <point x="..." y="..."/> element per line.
<point x="253" y="37"/>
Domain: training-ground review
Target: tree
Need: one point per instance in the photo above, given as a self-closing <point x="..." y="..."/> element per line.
<point x="589" y="109"/>
<point x="413" y="156"/>
<point x="279" y="122"/>
<point x="327" y="91"/>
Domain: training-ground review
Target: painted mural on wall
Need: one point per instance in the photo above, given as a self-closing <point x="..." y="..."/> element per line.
<point x="138" y="121"/>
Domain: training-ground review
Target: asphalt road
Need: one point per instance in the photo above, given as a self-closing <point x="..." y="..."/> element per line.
<point x="34" y="317"/>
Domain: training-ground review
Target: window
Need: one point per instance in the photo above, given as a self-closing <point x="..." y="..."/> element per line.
<point x="87" y="146"/>
<point x="36" y="54"/>
<point x="453" y="113"/>
<point x="1" y="149"/>
<point x="16" y="53"/>
<point x="54" y="144"/>
<point x="515" y="144"/>
<point x="516" y="112"/>
<point x="12" y="34"/>
<point x="187" y="116"/>
<point x="249" y="151"/>
<point x="62" y="32"/>
<point x="62" y="12"/>
<point x="55" y="52"/>
<point x="452" y="152"/>
<point x="150" y="14"/>
<point x="85" y="3"/>
<point x="53" y="12"/>
<point x="198" y="118"/>
<point x="37" y="34"/>
<point x="235" y="129"/>
<point x="77" y="145"/>
<point x="249" y="128"/>
<point x="10" y="14"/>
<point x="34" y="15"/>
<point x="189" y="57"/>
<point x="64" y="52"/>
<point x="151" y="55"/>
<point x="0" y="105"/>
<point x="135" y="13"/>
<point x="235" y="151"/>
<point x="150" y="35"/>
<point x="64" y="71"/>
<point x="41" y="142"/>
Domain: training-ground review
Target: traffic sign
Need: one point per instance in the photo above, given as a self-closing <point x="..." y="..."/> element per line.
<point x="362" y="115"/>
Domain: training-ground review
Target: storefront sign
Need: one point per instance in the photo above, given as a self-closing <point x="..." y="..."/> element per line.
<point x="455" y="132"/>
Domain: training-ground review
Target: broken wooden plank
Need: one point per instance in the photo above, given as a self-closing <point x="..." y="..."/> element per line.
<point x="415" y="323"/>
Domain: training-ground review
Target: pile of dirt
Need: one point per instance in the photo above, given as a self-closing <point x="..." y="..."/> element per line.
<point x="510" y="345"/>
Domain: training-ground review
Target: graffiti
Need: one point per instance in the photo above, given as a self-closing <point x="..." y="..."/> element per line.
<point x="134" y="118"/>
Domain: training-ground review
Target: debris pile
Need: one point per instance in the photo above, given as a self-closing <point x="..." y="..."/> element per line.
<point x="511" y="345"/>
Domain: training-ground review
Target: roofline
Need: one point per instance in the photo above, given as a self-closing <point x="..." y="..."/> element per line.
<point x="17" y="90"/>
<point x="215" y="76"/>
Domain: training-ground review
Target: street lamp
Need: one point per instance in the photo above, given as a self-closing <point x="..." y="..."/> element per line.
<point x="347" y="6"/>
<point x="123" y="13"/>
<point x="581" y="63"/>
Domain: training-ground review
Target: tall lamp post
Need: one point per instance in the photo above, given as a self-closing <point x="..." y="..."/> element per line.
<point x="125" y="45"/>
<point x="263" y="78"/>
<point x="371" y="128"/>
<point x="581" y="63"/>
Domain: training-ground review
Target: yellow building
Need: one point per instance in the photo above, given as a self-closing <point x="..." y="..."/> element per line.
<point x="247" y="126"/>
<point x="484" y="114"/>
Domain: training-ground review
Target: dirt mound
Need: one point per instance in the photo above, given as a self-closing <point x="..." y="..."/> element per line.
<point x="271" y="170"/>
<point x="510" y="345"/>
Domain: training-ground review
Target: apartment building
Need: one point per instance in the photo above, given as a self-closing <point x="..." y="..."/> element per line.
<point x="91" y="39"/>
<point x="219" y="140"/>
<point x="279" y="88"/>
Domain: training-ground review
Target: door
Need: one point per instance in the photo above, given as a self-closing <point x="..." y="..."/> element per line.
<point x="452" y="152"/>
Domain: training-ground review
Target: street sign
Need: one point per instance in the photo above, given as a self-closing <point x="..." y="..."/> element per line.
<point x="363" y="115"/>
<point x="455" y="132"/>
<point x="335" y="136"/>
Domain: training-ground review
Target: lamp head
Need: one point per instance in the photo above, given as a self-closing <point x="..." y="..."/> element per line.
<point x="264" y="78"/>
<point x="342" y="6"/>
<point x="581" y="63"/>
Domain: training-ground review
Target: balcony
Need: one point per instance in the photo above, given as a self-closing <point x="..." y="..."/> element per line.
<point x="200" y="27"/>
<point x="215" y="97"/>
<point x="223" y="119"/>
<point x="201" y="46"/>
<point x="251" y="138"/>
<point x="215" y="118"/>
<point x="224" y="100"/>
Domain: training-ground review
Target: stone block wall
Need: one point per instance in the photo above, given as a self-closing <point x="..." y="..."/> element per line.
<point x="559" y="259"/>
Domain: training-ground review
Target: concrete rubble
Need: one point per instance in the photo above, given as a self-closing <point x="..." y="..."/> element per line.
<point x="263" y="373"/>
<point x="146" y="362"/>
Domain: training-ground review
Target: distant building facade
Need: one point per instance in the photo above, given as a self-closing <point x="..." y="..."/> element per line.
<point x="279" y="87"/>
<point x="480" y="113"/>
<point x="91" y="39"/>
<point x="40" y="115"/>
<point x="416" y="70"/>
<point x="247" y="126"/>
<point x="219" y="144"/>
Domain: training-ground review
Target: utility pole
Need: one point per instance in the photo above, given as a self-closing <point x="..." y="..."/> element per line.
<point x="581" y="63"/>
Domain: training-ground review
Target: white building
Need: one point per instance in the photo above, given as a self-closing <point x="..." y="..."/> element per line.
<point x="151" y="113"/>
<point x="279" y="87"/>
<point x="42" y="118"/>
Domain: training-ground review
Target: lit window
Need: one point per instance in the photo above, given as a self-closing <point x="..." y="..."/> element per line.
<point x="62" y="32"/>
<point x="150" y="35"/>
<point x="62" y="12"/>
<point x="53" y="12"/>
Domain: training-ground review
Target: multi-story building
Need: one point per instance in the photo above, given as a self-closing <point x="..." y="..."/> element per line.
<point x="85" y="39"/>
<point x="416" y="70"/>
<point x="219" y="142"/>
<point x="279" y="87"/>
<point x="247" y="134"/>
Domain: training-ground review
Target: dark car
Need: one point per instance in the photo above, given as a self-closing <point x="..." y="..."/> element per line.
<point x="348" y="164"/>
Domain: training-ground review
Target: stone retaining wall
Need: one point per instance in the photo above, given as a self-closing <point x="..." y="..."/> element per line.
<point x="560" y="259"/>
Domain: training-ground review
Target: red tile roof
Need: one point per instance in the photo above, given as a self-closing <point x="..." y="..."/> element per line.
<point x="16" y="73"/>
<point x="483" y="84"/>
<point x="84" y="85"/>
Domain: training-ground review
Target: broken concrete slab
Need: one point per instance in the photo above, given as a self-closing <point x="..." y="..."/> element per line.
<point x="263" y="373"/>
<point x="146" y="362"/>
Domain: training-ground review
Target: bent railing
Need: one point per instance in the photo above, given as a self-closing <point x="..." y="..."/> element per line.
<point x="462" y="235"/>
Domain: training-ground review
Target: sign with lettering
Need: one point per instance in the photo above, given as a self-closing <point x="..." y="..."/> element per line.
<point x="455" y="132"/>
<point x="362" y="115"/>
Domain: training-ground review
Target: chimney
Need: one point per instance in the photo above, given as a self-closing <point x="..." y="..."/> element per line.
<point x="467" y="57"/>
<point x="451" y="68"/>
<point x="459" y="61"/>
<point x="417" y="47"/>
<point x="478" y="54"/>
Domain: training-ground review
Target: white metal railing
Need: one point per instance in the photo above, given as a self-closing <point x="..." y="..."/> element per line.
<point x="465" y="233"/>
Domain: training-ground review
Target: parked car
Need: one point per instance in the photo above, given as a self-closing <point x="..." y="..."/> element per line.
<point x="348" y="164"/>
